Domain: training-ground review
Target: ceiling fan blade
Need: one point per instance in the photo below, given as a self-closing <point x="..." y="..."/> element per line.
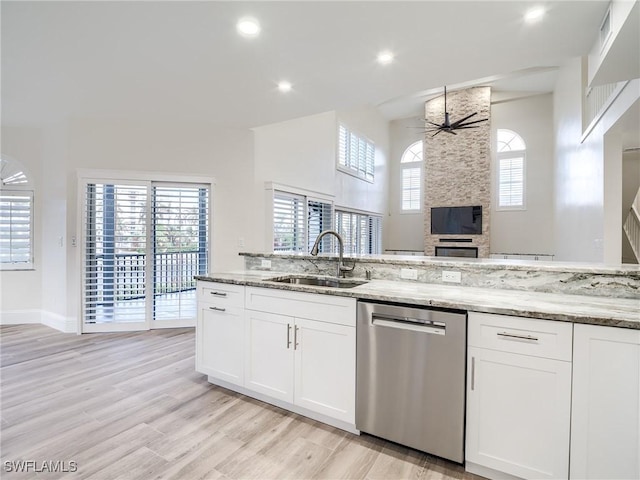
<point x="471" y="123"/>
<point x="439" y="130"/>
<point x="473" y="126"/>
<point x="451" y="132"/>
<point x="436" y="124"/>
<point x="458" y="122"/>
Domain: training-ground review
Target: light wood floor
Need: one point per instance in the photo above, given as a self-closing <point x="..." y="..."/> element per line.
<point x="131" y="406"/>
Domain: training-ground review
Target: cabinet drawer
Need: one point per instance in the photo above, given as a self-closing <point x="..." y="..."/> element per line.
<point x="526" y="336"/>
<point x="324" y="308"/>
<point x="221" y="294"/>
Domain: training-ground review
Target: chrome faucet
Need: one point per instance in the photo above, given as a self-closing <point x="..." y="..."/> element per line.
<point x="340" y="268"/>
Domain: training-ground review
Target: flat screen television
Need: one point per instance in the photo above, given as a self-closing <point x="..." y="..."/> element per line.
<point x="456" y="220"/>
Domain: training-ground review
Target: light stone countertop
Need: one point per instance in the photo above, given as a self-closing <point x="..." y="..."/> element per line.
<point x="551" y="306"/>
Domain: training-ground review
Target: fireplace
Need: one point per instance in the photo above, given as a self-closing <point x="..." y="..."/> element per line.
<point x="467" y="252"/>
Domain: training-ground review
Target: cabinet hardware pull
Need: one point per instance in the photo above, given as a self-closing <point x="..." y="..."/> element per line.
<point x="219" y="294"/>
<point x="295" y="338"/>
<point x="288" y="336"/>
<point x="218" y="309"/>
<point x="521" y="337"/>
<point x="473" y="373"/>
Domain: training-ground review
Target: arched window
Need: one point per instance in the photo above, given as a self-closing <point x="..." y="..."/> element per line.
<point x="510" y="157"/>
<point x="411" y="162"/>
<point x="16" y="216"/>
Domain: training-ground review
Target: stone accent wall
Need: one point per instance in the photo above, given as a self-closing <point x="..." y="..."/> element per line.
<point x="458" y="167"/>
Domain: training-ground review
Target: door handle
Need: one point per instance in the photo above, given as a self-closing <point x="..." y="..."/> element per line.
<point x="218" y="294"/>
<point x="295" y="338"/>
<point x="473" y="373"/>
<point x="288" y="336"/>
<point x="218" y="309"/>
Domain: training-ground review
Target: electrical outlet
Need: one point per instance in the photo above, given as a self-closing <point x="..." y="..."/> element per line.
<point x="266" y="264"/>
<point x="241" y="242"/>
<point x="409" y="273"/>
<point x="453" y="277"/>
<point x="74" y="242"/>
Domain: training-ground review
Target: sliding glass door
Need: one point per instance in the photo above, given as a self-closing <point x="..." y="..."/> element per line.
<point x="143" y="243"/>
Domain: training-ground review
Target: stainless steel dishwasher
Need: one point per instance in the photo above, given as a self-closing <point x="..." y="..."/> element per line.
<point x="411" y="376"/>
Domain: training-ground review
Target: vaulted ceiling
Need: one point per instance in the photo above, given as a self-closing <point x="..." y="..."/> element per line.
<point x="184" y="59"/>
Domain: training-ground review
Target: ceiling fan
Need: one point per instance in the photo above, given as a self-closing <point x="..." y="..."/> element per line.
<point x="449" y="127"/>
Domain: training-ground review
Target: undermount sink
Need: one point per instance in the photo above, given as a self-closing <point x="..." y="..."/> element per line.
<point x="318" y="281"/>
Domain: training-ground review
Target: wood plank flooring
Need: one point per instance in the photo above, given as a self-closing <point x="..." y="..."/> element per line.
<point x="131" y="406"/>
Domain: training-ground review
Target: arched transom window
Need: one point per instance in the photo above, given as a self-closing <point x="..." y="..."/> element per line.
<point x="511" y="151"/>
<point x="411" y="162"/>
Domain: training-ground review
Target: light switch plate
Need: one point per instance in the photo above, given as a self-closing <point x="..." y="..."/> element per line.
<point x="453" y="277"/>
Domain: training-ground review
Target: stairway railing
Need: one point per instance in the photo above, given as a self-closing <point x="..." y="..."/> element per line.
<point x="632" y="226"/>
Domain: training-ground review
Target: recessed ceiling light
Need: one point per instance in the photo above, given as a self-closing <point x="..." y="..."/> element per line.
<point x="248" y="27"/>
<point x="534" y="15"/>
<point x="284" y="86"/>
<point x="385" y="58"/>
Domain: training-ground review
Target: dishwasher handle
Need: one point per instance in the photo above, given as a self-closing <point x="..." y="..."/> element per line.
<point x="407" y="323"/>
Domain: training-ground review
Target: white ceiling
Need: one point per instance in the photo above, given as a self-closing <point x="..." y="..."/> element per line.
<point x="184" y="59"/>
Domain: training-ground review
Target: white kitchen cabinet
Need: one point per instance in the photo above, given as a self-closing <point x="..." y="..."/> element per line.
<point x="301" y="348"/>
<point x="605" y="422"/>
<point x="325" y="365"/>
<point x="220" y="331"/>
<point x="518" y="397"/>
<point x="269" y="354"/>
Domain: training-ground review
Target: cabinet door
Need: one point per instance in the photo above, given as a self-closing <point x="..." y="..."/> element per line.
<point x="219" y="342"/>
<point x="269" y="354"/>
<point x="325" y="365"/>
<point x="605" y="422"/>
<point x="518" y="413"/>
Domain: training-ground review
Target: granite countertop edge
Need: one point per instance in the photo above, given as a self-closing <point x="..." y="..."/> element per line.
<point x="604" y="311"/>
<point x="460" y="262"/>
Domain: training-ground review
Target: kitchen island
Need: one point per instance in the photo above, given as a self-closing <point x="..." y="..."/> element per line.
<point x="553" y="352"/>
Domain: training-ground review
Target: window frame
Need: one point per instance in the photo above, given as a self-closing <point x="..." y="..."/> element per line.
<point x="410" y="165"/>
<point x="353" y="166"/>
<point x="374" y="223"/>
<point x="308" y="198"/>
<point x="505" y="155"/>
<point x="16" y="191"/>
<point x="17" y="181"/>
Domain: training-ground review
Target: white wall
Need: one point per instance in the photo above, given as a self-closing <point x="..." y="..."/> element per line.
<point x="141" y="145"/>
<point x="403" y="231"/>
<point x="528" y="231"/>
<point x="301" y="153"/>
<point x="587" y="172"/>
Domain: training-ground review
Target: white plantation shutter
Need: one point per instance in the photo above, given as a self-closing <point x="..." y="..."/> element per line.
<point x="180" y="244"/>
<point x="289" y="222"/>
<point x="511" y="183"/>
<point x="356" y="154"/>
<point x="16" y="229"/>
<point x="115" y="260"/>
<point x="411" y="188"/>
<point x="361" y="232"/>
<point x="320" y="218"/>
<point x="143" y="242"/>
<point x="511" y="170"/>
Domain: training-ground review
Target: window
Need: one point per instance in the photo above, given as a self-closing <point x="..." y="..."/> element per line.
<point x="356" y="154"/>
<point x="143" y="242"/>
<point x="298" y="220"/>
<point x="16" y="217"/>
<point x="511" y="164"/>
<point x="411" y="162"/>
<point x="361" y="232"/>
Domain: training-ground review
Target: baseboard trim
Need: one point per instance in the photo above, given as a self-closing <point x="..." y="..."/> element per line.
<point x="36" y="316"/>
